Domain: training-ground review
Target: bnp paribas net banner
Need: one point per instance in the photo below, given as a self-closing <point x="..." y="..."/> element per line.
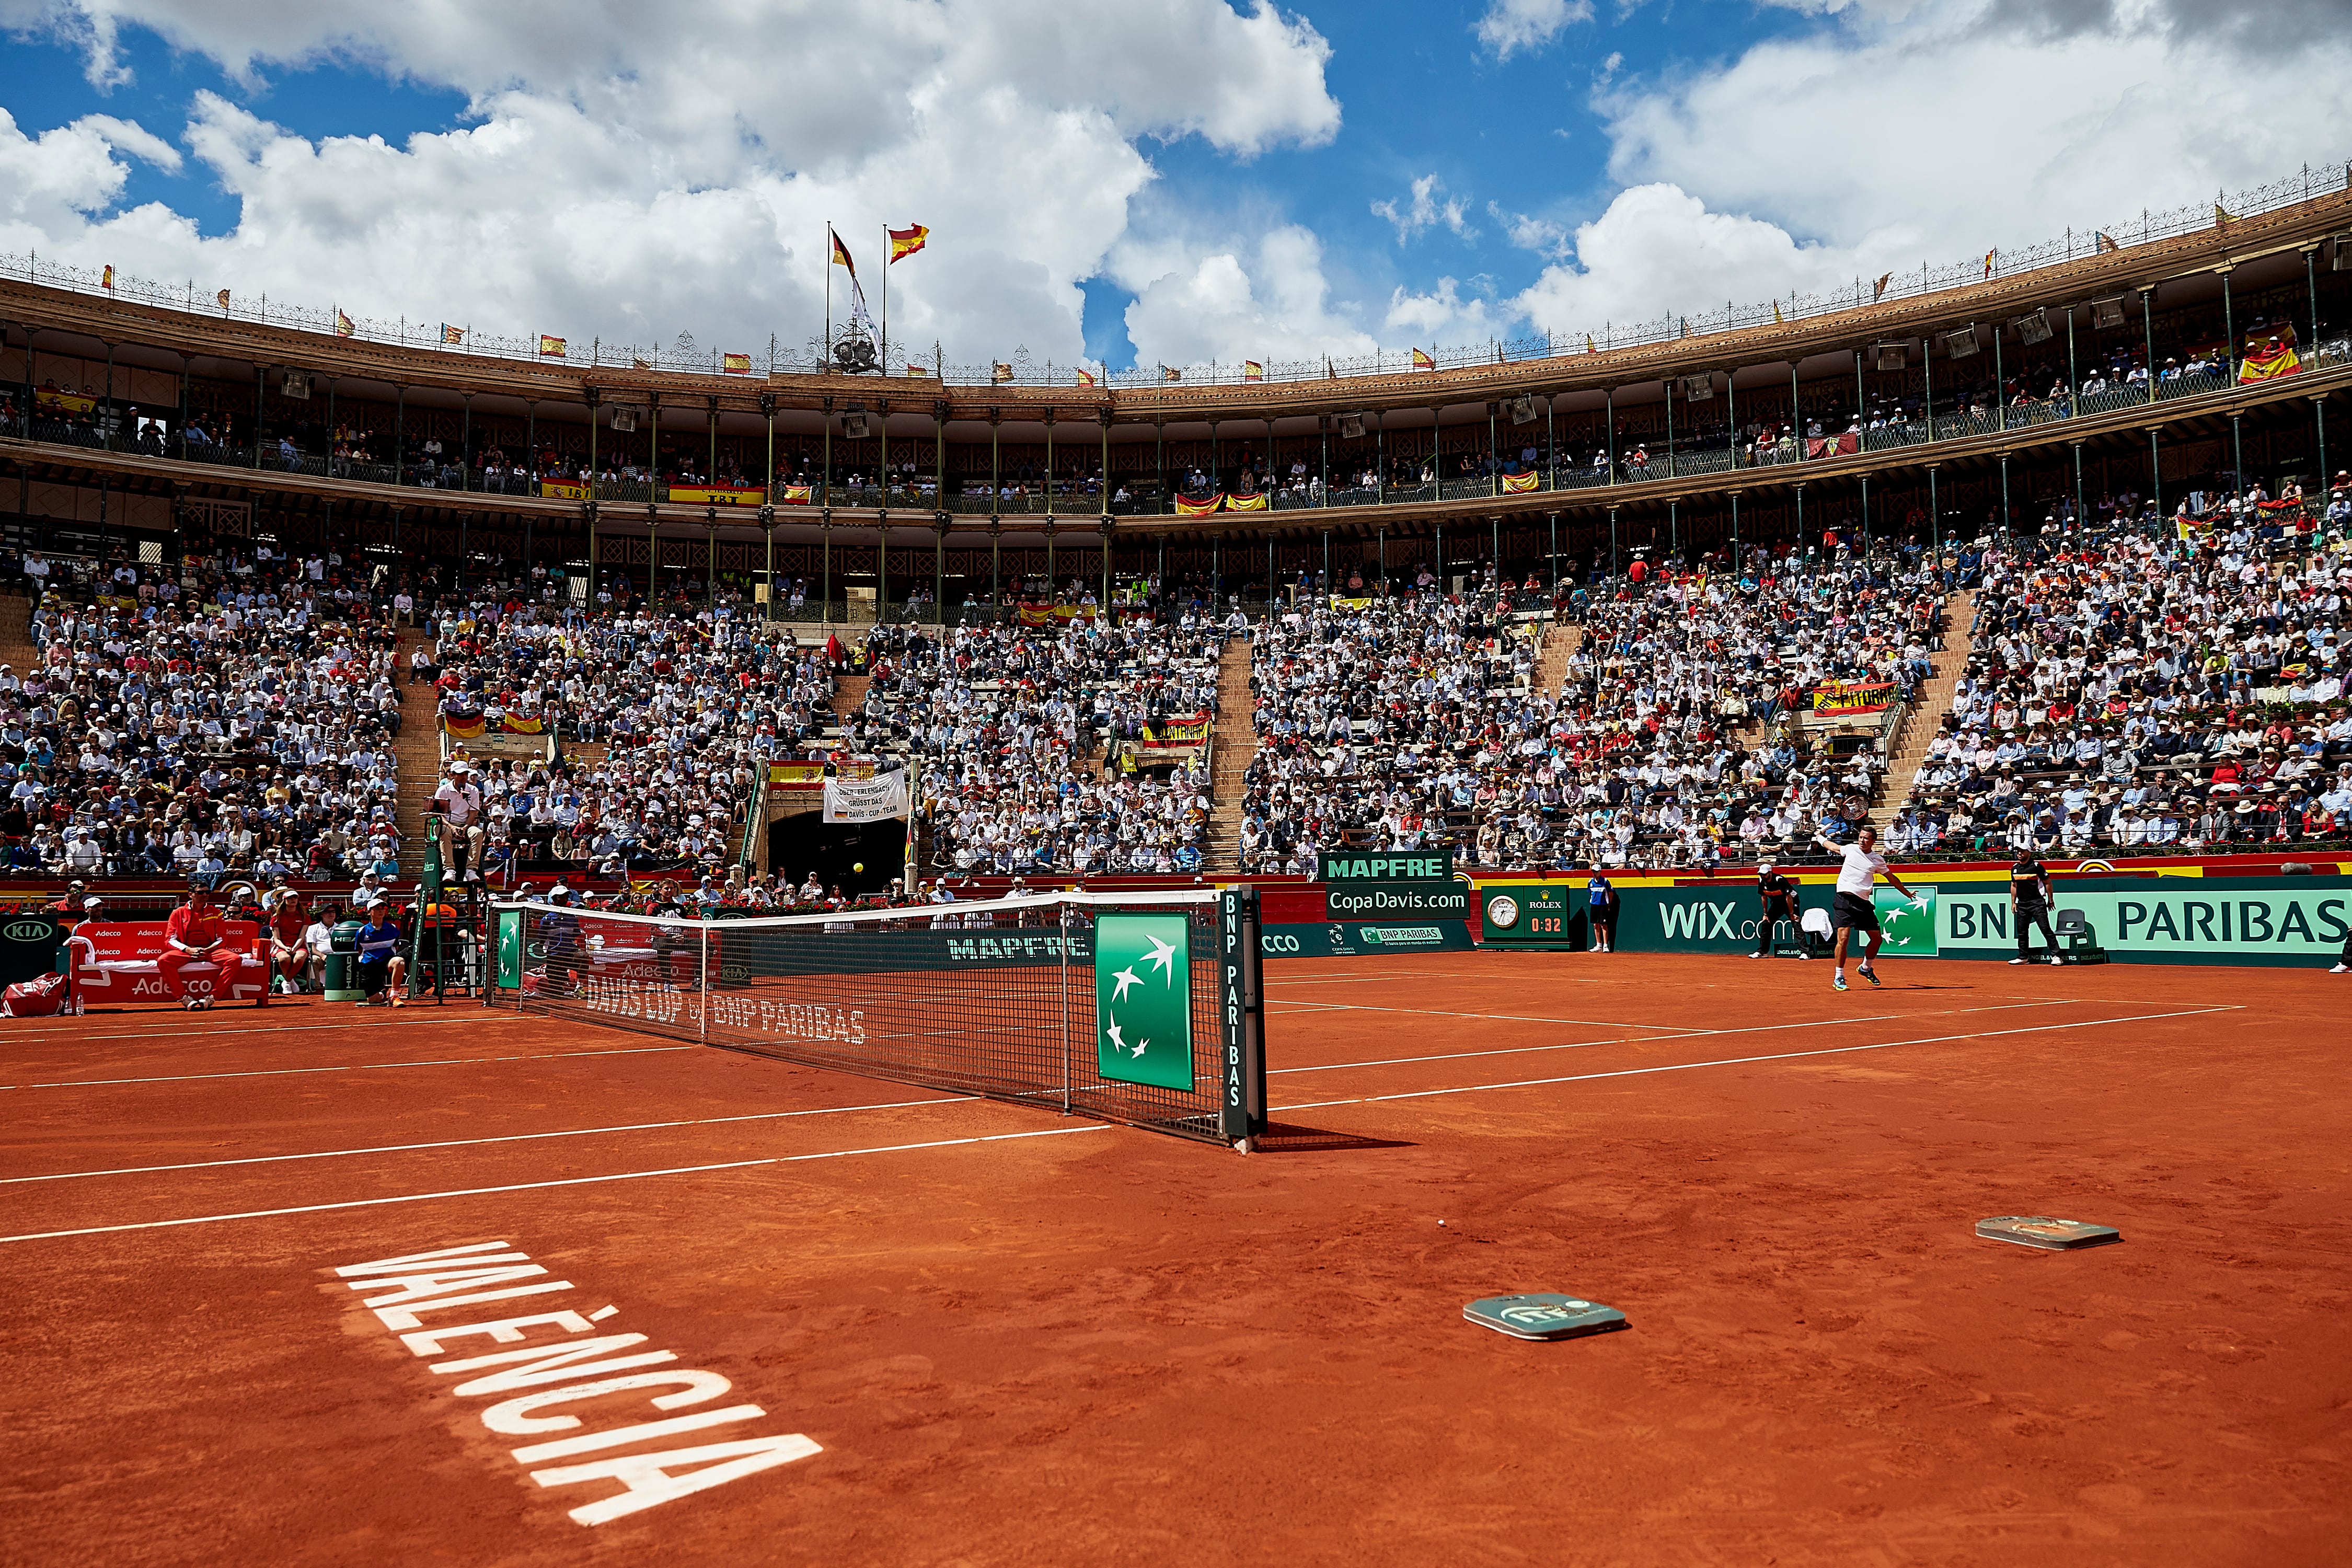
<point x="2168" y="919"/>
<point x="1143" y="1001"/>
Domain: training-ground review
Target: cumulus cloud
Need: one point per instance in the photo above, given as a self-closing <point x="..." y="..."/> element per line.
<point x="1424" y="208"/>
<point x="1508" y="25"/>
<point x="624" y="181"/>
<point x="1529" y="232"/>
<point x="1444" y="316"/>
<point x="1270" y="301"/>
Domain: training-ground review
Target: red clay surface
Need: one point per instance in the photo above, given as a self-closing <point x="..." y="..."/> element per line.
<point x="1077" y="1343"/>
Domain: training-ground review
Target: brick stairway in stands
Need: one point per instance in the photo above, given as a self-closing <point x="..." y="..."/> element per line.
<point x="1926" y="716"/>
<point x="16" y="634"/>
<point x="416" y="754"/>
<point x="1234" y="738"/>
<point x="1560" y="643"/>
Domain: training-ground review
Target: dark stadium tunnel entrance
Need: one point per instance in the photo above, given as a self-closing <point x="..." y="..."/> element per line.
<point x="804" y="841"/>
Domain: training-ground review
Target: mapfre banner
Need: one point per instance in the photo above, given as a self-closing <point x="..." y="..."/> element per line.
<point x="870" y="800"/>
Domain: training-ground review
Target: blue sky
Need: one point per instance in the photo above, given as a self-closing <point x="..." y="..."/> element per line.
<point x="1323" y="178"/>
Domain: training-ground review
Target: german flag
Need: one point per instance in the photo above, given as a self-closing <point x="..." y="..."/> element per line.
<point x="1422" y="362"/>
<point x="905" y="242"/>
<point x="841" y="255"/>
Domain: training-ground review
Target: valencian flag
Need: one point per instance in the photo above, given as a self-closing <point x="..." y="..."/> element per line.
<point x="1422" y="362"/>
<point x="106" y="280"/>
<point x="735" y="364"/>
<point x="550" y="347"/>
<point x="1143" y="1000"/>
<point x="450" y="334"/>
<point x="2107" y="242"/>
<point x="1519" y="484"/>
<point x="1169" y="373"/>
<point x="2269" y="355"/>
<point x="905" y="242"/>
<point x="1253" y="370"/>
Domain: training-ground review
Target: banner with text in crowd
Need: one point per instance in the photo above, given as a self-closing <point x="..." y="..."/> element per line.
<point x="1851" y="700"/>
<point x="1187" y="731"/>
<point x="720" y="495"/>
<point x="869" y="800"/>
<point x="552" y="490"/>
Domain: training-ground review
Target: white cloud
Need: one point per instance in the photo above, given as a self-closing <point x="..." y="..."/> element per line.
<point x="1657" y="249"/>
<point x="624" y="179"/>
<point x="1511" y="24"/>
<point x="2105" y="106"/>
<point x="1443" y="317"/>
<point x="1424" y="209"/>
<point x="1210" y="306"/>
<point x="1529" y="232"/>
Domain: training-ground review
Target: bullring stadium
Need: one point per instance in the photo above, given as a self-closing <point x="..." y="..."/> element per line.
<point x="849" y="849"/>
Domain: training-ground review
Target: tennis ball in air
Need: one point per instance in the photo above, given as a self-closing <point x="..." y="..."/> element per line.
<point x="859" y="866"/>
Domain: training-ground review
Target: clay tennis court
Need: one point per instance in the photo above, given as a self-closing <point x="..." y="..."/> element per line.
<point x="1016" y="1337"/>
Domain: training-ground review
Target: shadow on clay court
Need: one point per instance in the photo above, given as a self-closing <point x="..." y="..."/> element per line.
<point x="1286" y="1138"/>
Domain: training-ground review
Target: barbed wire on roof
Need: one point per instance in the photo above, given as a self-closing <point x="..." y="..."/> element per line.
<point x="1019" y="369"/>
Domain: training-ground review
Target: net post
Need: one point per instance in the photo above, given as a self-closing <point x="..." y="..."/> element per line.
<point x="1065" y="1008"/>
<point x="1240" y="1009"/>
<point x="702" y="987"/>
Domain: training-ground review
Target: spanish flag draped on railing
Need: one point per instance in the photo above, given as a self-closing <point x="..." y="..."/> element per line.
<point x="1255" y="500"/>
<point x="2269" y="355"/>
<point x="1198" y="506"/>
<point x="1521" y="484"/>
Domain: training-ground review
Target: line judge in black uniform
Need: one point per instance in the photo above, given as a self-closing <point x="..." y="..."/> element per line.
<point x="2028" y="906"/>
<point x="1780" y="895"/>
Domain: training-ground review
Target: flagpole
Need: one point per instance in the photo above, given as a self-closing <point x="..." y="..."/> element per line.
<point x="824" y="353"/>
<point x="885" y="296"/>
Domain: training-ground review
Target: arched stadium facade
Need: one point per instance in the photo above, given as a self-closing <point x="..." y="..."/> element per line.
<point x="1946" y="416"/>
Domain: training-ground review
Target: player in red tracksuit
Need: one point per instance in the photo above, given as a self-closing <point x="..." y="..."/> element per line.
<point x="194" y="934"/>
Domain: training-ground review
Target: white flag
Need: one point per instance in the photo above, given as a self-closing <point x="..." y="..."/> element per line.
<point x="868" y="800"/>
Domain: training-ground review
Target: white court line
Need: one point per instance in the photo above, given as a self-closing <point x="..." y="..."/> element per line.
<point x="1742" y="1061"/>
<point x="1490" y="1018"/>
<point x="565" y="1181"/>
<point x="385" y="1023"/>
<point x="356" y="1066"/>
<point x="471" y="1142"/>
<point x="1690" y="1034"/>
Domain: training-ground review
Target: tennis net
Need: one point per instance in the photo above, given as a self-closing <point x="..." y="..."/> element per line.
<point x="1135" y="1007"/>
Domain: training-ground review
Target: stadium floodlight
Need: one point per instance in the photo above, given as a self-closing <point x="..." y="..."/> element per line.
<point x="2107" y="312"/>
<point x="625" y="418"/>
<point x="1523" y="410"/>
<point x="852" y="425"/>
<point x="2033" y="327"/>
<point x="1698" y="388"/>
<point x="1960" y="344"/>
<point x="297" y="384"/>
<point x="1890" y="357"/>
<point x="1351" y="427"/>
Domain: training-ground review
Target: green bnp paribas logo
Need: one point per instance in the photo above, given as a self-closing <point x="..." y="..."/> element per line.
<point x="1143" y="1000"/>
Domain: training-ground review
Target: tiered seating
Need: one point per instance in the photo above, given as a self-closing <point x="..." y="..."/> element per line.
<point x="2159" y="693"/>
<point x="1022" y="738"/>
<point x="1669" y="673"/>
<point x="238" y="728"/>
<point x="1395" y="723"/>
<point x="686" y="709"/>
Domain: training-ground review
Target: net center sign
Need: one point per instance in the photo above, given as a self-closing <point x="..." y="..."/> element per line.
<point x="1143" y="1000"/>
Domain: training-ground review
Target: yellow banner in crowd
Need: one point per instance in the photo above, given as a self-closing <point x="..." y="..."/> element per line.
<point x="1521" y="484"/>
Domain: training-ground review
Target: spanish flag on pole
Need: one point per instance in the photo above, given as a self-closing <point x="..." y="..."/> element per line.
<point x="1253" y="370"/>
<point x="1085" y="377"/>
<point x="905" y="242"/>
<point x="735" y="364"/>
<point x="343" y="327"/>
<point x="550" y="347"/>
<point x="1775" y="313"/>
<point x="1990" y="255"/>
<point x="1422" y="362"/>
<point x="106" y="281"/>
<point x="2222" y="217"/>
<point x="1878" y="289"/>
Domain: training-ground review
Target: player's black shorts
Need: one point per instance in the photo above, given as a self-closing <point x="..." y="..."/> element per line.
<point x="1853" y="910"/>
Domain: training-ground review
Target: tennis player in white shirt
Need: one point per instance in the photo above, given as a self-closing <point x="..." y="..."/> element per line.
<point x="1853" y="908"/>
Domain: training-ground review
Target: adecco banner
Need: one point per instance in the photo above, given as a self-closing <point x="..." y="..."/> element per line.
<point x="1338" y="939"/>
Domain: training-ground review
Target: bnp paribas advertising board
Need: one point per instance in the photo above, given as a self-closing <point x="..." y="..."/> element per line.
<point x="2284" y="921"/>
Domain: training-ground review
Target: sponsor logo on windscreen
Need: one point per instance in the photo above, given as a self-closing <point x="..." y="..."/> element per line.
<point x="1045" y="946"/>
<point x="1401" y="936"/>
<point x="28" y="930"/>
<point x="812" y="1021"/>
